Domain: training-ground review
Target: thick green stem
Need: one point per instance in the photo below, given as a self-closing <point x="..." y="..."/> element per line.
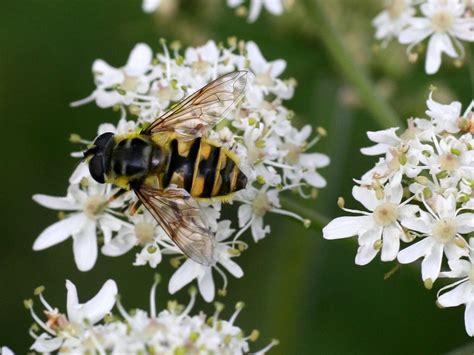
<point x="349" y="68"/>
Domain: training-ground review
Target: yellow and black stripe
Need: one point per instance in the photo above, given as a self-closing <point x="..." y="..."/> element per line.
<point x="202" y="168"/>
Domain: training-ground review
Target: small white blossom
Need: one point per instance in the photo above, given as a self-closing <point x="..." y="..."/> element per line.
<point x="273" y="154"/>
<point x="191" y="270"/>
<point x="442" y="228"/>
<point x="378" y="229"/>
<point x="393" y="19"/>
<point x="462" y="290"/>
<point x="170" y="331"/>
<point x="88" y="211"/>
<point x="64" y="331"/>
<point x="444" y="23"/>
<point x="419" y="193"/>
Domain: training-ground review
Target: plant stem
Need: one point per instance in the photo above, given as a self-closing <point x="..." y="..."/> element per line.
<point x="353" y="73"/>
<point x="318" y="220"/>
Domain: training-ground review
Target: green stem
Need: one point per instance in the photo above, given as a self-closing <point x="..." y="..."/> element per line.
<point x="318" y="220"/>
<point x="349" y="68"/>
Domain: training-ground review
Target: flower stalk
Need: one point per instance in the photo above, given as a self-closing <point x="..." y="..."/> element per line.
<point x="381" y="112"/>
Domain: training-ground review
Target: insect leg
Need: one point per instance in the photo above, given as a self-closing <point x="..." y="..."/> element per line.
<point x="116" y="195"/>
<point x="134" y="207"/>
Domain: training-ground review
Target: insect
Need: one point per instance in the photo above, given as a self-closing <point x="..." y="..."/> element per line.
<point x="170" y="165"/>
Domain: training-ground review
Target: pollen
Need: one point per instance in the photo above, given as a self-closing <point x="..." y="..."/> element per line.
<point x="396" y="8"/>
<point x="261" y="204"/>
<point x="442" y="21"/>
<point x="264" y="79"/>
<point x="95" y="206"/>
<point x="445" y="230"/>
<point x="293" y="155"/>
<point x="385" y="214"/>
<point x="145" y="233"/>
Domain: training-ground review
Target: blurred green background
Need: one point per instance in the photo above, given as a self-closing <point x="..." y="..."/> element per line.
<point x="297" y="287"/>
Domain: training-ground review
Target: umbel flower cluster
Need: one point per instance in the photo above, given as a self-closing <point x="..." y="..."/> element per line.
<point x="275" y="7"/>
<point x="443" y="24"/>
<point x="90" y="328"/>
<point x="420" y="194"/>
<point x="274" y="155"/>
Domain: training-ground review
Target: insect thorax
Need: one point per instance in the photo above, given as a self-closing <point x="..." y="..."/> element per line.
<point x="133" y="158"/>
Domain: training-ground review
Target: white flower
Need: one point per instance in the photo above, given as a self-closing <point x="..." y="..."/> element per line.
<point x="444" y="117"/>
<point x="273" y="154"/>
<point x="444" y="24"/>
<point x="378" y="229"/>
<point x="302" y="165"/>
<point x="431" y="164"/>
<point x="393" y="19"/>
<point x="61" y="329"/>
<point x="442" y="229"/>
<point x="171" y="331"/>
<point x="462" y="290"/>
<point x="93" y="310"/>
<point x="191" y="270"/>
<point x="121" y="85"/>
<point x="87" y="212"/>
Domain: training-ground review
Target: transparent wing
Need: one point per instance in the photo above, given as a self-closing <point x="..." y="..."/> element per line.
<point x="202" y="110"/>
<point x="178" y="214"/>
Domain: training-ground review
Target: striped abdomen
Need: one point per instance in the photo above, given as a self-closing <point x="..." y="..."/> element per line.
<point x="203" y="169"/>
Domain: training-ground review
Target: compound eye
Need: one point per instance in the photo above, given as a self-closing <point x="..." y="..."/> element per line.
<point x="96" y="168"/>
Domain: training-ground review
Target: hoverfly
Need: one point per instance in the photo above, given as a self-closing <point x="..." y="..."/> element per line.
<point x="170" y="165"/>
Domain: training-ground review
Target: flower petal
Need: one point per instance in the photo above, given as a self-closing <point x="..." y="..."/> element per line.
<point x="232" y="267"/>
<point x="85" y="247"/>
<point x="184" y="275"/>
<point x="415" y="251"/>
<point x="455" y="297"/>
<point x="206" y="286"/>
<point x="314" y="179"/>
<point x="431" y="264"/>
<point x="72" y="303"/>
<point x="469" y="318"/>
<point x="366" y="197"/>
<point x="120" y="244"/>
<point x="59" y="231"/>
<point x="44" y="344"/>
<point x="139" y="60"/>
<point x="365" y="254"/>
<point x="465" y="223"/>
<point x="102" y="303"/>
<point x="56" y="203"/>
<point x="344" y="227"/>
<point x="391" y="242"/>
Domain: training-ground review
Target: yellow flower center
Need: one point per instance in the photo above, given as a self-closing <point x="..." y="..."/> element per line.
<point x="293" y="155"/>
<point x="445" y="230"/>
<point x="129" y="83"/>
<point x="385" y="214"/>
<point x="264" y="79"/>
<point x="95" y="206"/>
<point x="145" y="233"/>
<point x="442" y="21"/>
<point x="261" y="204"/>
<point x="200" y="66"/>
<point x="396" y="8"/>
